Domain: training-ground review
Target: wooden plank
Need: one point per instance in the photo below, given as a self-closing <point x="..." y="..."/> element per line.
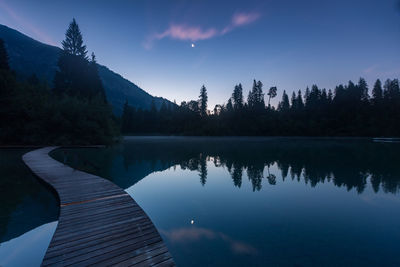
<point x="99" y="248"/>
<point x="127" y="259"/>
<point x="67" y="247"/>
<point x="99" y="223"/>
<point x="88" y="235"/>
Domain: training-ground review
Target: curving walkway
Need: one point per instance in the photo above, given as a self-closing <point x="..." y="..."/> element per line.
<point x="99" y="223"/>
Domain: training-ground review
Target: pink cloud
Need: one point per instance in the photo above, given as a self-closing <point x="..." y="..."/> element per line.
<point x="182" y="32"/>
<point x="194" y="234"/>
<point x="241" y="19"/>
<point x="197" y="33"/>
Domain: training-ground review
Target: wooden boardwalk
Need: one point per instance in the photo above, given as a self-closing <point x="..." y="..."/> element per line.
<point x="99" y="223"/>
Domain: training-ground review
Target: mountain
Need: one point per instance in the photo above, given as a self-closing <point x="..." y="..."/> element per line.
<point x="28" y="56"/>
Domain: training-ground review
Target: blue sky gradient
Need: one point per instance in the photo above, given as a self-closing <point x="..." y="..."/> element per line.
<point x="290" y="44"/>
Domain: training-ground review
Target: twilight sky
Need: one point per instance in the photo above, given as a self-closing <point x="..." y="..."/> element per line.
<point x="290" y="44"/>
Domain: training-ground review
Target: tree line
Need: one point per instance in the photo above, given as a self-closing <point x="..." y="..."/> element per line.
<point x="347" y="110"/>
<point x="72" y="111"/>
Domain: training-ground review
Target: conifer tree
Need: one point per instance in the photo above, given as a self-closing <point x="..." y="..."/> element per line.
<point x="330" y="96"/>
<point x="284" y="105"/>
<point x="256" y="96"/>
<point x="294" y="101"/>
<point x="76" y="75"/>
<point x="307" y="96"/>
<point x="260" y="96"/>
<point x="73" y="67"/>
<point x="271" y="94"/>
<point x="237" y="97"/>
<point x="300" y="102"/>
<point x="203" y="99"/>
<point x="250" y="100"/>
<point x="363" y="88"/>
<point x="229" y="106"/>
<point x="73" y="43"/>
<point x="377" y="93"/>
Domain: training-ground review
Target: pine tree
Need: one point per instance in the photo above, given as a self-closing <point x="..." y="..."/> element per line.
<point x="260" y="96"/>
<point x="307" y="96"/>
<point x="330" y="96"/>
<point x="284" y="105"/>
<point x="256" y="96"/>
<point x="363" y="90"/>
<point x="237" y="97"/>
<point x="73" y="43"/>
<point x="3" y="57"/>
<point x="324" y="97"/>
<point x="300" y="102"/>
<point x="73" y="67"/>
<point x="314" y="97"/>
<point x="271" y="94"/>
<point x="250" y="100"/>
<point x="203" y="99"/>
<point x="229" y="106"/>
<point x="294" y="101"/>
<point x="377" y="92"/>
<point x="76" y="75"/>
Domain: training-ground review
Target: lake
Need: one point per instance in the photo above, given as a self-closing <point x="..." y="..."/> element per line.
<point x="247" y="201"/>
<point x="28" y="212"/>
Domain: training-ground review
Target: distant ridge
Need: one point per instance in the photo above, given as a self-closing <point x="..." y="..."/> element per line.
<point x="28" y="56"/>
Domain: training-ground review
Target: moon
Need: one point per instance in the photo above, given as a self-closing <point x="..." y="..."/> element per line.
<point x="193" y="45"/>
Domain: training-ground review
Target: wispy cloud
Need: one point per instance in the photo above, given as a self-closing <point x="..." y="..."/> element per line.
<point x="194" y="234"/>
<point x="241" y="19"/>
<point x="370" y="69"/>
<point x="185" y="32"/>
<point x="377" y="70"/>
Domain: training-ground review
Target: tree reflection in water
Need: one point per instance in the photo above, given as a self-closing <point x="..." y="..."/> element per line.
<point x="350" y="163"/>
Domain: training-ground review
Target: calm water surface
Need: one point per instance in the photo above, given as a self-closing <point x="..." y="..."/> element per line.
<point x="261" y="201"/>
<point x="28" y="212"/>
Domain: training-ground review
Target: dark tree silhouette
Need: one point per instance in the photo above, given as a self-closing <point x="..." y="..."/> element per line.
<point x="300" y="103"/>
<point x="95" y="86"/>
<point x="293" y="101"/>
<point x="284" y="105"/>
<point x="347" y="111"/>
<point x="73" y="66"/>
<point x="203" y="169"/>
<point x="255" y="100"/>
<point x="73" y="43"/>
<point x="237" y="97"/>
<point x="203" y="99"/>
<point x="3" y="57"/>
<point x="377" y="92"/>
<point x="229" y="105"/>
<point x="271" y="94"/>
